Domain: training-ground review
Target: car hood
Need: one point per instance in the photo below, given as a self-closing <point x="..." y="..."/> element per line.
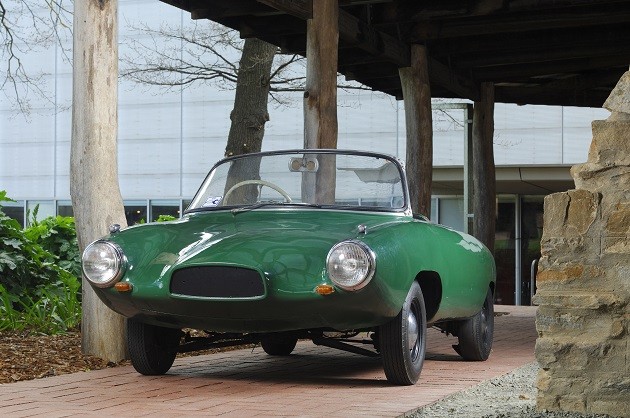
<point x="271" y="241"/>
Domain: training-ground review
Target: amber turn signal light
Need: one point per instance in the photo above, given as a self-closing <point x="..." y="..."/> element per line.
<point x="324" y="289"/>
<point x="123" y="287"/>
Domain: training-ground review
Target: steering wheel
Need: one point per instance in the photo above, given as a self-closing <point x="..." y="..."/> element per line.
<point x="284" y="194"/>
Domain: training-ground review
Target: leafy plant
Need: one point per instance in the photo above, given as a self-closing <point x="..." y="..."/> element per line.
<point x="165" y="218"/>
<point x="57" y="235"/>
<point x="39" y="270"/>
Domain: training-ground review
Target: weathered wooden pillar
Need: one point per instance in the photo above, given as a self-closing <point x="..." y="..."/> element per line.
<point x="484" y="179"/>
<point x="419" y="124"/>
<point x="320" y="95"/>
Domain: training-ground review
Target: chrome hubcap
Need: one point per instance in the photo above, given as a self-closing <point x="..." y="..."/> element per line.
<point x="412" y="334"/>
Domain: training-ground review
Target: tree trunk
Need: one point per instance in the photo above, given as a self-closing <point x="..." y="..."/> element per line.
<point x="484" y="179"/>
<point x="249" y="116"/>
<point x="419" y="124"/>
<point x="252" y="95"/>
<point x="320" y="97"/>
<point x="94" y="188"/>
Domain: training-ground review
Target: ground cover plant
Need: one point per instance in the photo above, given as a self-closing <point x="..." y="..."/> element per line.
<point x="39" y="274"/>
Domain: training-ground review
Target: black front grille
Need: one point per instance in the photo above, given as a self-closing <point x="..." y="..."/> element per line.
<point x="217" y="282"/>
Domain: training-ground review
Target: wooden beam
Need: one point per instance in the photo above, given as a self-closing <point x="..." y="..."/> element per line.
<point x="552" y="97"/>
<point x="444" y="76"/>
<point x="524" y="71"/>
<point x="355" y="32"/>
<point x="484" y="179"/>
<point x="302" y="9"/>
<point x="518" y="22"/>
<point x="409" y="11"/>
<point x="419" y="128"/>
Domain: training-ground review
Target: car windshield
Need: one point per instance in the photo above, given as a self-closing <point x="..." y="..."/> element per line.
<point x="337" y="179"/>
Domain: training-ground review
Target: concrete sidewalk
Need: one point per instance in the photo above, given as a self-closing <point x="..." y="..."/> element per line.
<point x="313" y="381"/>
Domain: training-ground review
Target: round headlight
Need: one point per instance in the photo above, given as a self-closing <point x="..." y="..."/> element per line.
<point x="103" y="263"/>
<point x="351" y="265"/>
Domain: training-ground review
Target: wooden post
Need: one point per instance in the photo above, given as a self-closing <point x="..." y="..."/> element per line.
<point x="419" y="124"/>
<point x="484" y="179"/>
<point x="94" y="188"/>
<point x="320" y="96"/>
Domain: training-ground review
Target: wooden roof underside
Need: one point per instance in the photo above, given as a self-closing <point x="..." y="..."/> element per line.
<point x="552" y="52"/>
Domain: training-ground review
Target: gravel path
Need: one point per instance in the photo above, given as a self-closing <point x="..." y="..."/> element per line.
<point x="509" y="396"/>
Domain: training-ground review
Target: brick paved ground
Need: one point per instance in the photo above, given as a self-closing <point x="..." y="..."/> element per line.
<point x="314" y="381"/>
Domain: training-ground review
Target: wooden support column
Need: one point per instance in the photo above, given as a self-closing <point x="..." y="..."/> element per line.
<point x="484" y="178"/>
<point x="320" y="97"/>
<point x="419" y="124"/>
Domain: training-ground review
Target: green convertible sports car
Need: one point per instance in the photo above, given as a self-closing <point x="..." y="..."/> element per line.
<point x="301" y="244"/>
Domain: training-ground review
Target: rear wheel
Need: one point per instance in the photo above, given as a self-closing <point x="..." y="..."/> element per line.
<point x="475" y="334"/>
<point x="278" y="344"/>
<point x="403" y="340"/>
<point x="152" y="348"/>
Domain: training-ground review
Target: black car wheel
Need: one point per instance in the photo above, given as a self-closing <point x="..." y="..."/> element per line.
<point x="152" y="349"/>
<point x="403" y="340"/>
<point x="278" y="344"/>
<point x="476" y="334"/>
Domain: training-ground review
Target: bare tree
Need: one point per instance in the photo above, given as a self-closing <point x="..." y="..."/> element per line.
<point x="207" y="52"/>
<point x="28" y="26"/>
<point x="94" y="188"/>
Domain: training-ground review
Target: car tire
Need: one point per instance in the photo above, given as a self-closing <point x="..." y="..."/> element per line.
<point x="402" y="340"/>
<point x="278" y="344"/>
<point x="152" y="348"/>
<point x="475" y="334"/>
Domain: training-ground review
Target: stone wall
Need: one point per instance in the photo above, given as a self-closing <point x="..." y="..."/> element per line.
<point x="583" y="318"/>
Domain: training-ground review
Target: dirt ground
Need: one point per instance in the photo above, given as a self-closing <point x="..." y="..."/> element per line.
<point x="25" y="356"/>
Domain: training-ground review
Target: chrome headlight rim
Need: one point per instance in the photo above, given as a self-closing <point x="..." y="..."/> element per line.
<point x="371" y="257"/>
<point x="120" y="256"/>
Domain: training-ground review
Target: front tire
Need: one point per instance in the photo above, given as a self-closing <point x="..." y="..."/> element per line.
<point x="152" y="348"/>
<point x="475" y="334"/>
<point x="403" y="340"/>
<point x="278" y="344"/>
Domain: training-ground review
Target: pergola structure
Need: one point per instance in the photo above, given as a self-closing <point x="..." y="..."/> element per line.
<point x="552" y="52"/>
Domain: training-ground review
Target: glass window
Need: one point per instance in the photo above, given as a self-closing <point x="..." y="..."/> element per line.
<point x="164" y="207"/>
<point x="42" y="208"/>
<point x="14" y="210"/>
<point x="531" y="234"/>
<point x="135" y="211"/>
<point x="64" y="208"/>
<point x="333" y="179"/>
<point x="434" y="210"/>
<point x="504" y="250"/>
<point x="451" y="212"/>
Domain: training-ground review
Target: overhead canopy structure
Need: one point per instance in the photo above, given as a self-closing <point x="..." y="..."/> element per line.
<point x="552" y="52"/>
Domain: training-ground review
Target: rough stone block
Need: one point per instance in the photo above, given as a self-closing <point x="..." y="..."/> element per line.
<point x="618" y="223"/>
<point x="618" y="100"/>
<point x="616" y="245"/>
<point x="570" y="213"/>
<point x="610" y="143"/>
<point x="599" y="178"/>
<point x="561" y="299"/>
<point x="610" y="405"/>
<point x="565" y="249"/>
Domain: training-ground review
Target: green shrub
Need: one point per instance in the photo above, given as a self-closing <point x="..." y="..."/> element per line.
<point x="58" y="236"/>
<point x="39" y="270"/>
